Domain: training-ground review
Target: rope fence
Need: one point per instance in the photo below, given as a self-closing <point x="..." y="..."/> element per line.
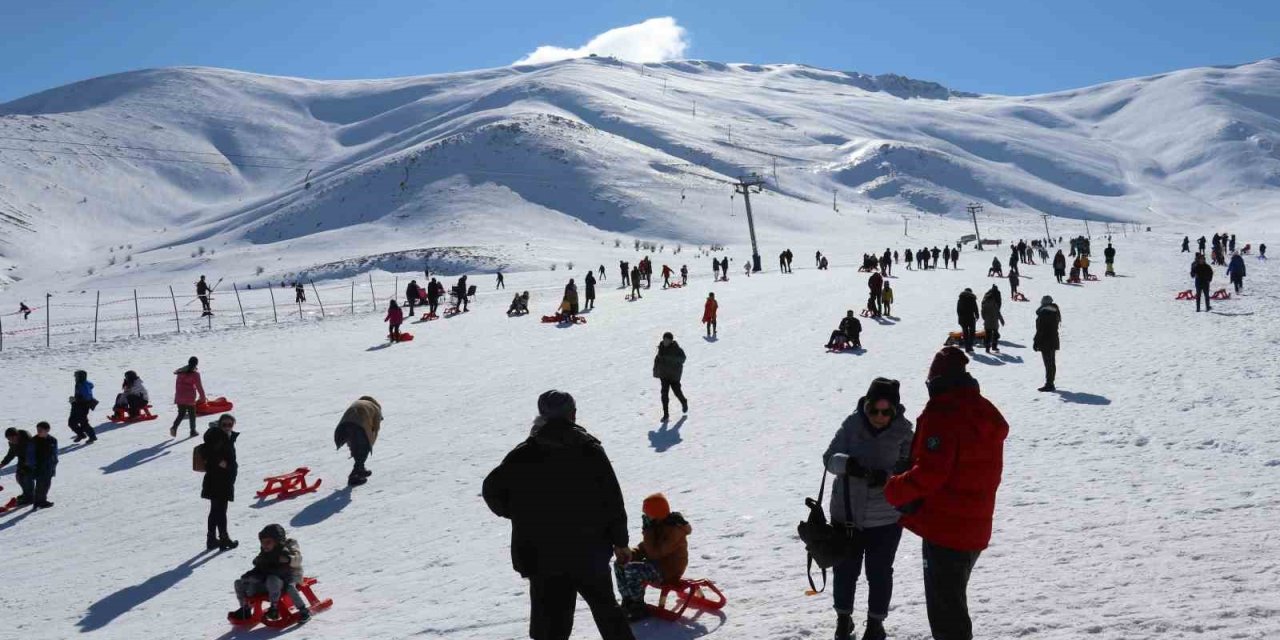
<point x="68" y="319"/>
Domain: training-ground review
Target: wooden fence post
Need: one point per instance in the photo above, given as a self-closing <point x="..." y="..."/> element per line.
<point x="97" y="301"/>
<point x="137" y="316"/>
<point x="274" y="316"/>
<point x="237" y="290"/>
<point x="175" y="309"/>
<point x="318" y="300"/>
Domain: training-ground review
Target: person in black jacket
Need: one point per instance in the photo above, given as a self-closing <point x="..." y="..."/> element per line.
<point x="967" y="312"/>
<point x="42" y="460"/>
<point x="668" y="367"/>
<point x="567" y="516"/>
<point x="590" y="282"/>
<point x="1048" y="317"/>
<point x="434" y="291"/>
<point x="412" y="295"/>
<point x="1203" y="275"/>
<point x="848" y="335"/>
<point x="1059" y="266"/>
<point x="18" y="440"/>
<point x="219" y="486"/>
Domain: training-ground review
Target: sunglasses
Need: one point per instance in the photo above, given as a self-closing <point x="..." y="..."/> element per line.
<point x="888" y="413"/>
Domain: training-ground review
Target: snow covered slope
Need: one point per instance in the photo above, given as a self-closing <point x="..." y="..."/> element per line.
<point x="1138" y="503"/>
<point x="283" y="174"/>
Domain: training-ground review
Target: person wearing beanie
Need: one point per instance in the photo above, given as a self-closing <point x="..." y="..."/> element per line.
<point x="82" y="402"/>
<point x="567" y="516"/>
<point x="967" y="313"/>
<point x="18" y="440"/>
<point x="661" y="558"/>
<point x="668" y="367"/>
<point x="948" y="494"/>
<point x="276" y="569"/>
<point x="358" y="429"/>
<point x="871" y="444"/>
<point x="188" y="392"/>
<point x="992" y="319"/>
<point x="219" y="485"/>
<point x="1048" y="317"/>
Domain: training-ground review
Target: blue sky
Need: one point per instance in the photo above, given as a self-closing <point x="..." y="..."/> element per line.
<point x="991" y="46"/>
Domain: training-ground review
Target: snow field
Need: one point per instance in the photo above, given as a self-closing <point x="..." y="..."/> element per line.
<point x="1137" y="502"/>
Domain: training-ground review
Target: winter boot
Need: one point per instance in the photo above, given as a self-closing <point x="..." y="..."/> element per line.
<point x="356" y="479"/>
<point x="366" y="473"/>
<point x="844" y="627"/>
<point x="243" y="613"/>
<point x="874" y="630"/>
<point x="1047" y="388"/>
<point x="272" y="614"/>
<point x="304" y="615"/>
<point x="635" y="610"/>
<point x="210" y="543"/>
<point x="227" y="545"/>
<point x="684" y="406"/>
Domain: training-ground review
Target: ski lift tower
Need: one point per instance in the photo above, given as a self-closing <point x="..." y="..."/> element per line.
<point x="745" y="186"/>
<point x="974" y="209"/>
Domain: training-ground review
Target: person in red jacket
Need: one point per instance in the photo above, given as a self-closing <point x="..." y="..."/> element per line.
<point x="948" y="495"/>
<point x="395" y="316"/>
<point x="187" y="393"/>
<point x="709" y="314"/>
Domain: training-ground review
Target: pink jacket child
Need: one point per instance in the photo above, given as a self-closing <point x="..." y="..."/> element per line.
<point x="188" y="391"/>
<point x="395" y="316"/>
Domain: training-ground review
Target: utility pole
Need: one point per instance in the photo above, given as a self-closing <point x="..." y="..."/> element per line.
<point x="833" y="202"/>
<point x="1086" y="229"/>
<point x="904" y="225"/>
<point x="974" y="209"/>
<point x="745" y="186"/>
<point x="1045" y="216"/>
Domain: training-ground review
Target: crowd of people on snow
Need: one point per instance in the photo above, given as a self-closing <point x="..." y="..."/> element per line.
<point x="937" y="477"/>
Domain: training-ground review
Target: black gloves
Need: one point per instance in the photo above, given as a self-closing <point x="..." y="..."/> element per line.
<point x="853" y="469"/>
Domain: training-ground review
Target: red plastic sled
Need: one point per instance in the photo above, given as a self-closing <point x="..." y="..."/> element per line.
<point x="845" y="347"/>
<point x="1186" y="295"/>
<point x="956" y="338"/>
<point x="674" y="285"/>
<point x="1221" y="294"/>
<point x="217" y="405"/>
<point x="428" y="316"/>
<point x="701" y="595"/>
<point x="561" y="319"/>
<point x="404" y="337"/>
<point x="1018" y="297"/>
<point x="122" y="416"/>
<point x="288" y="611"/>
<point x="288" y="485"/>
<point x="866" y="313"/>
<point x="10" y="505"/>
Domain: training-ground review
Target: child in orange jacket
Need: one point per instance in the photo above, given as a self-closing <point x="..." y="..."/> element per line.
<point x="661" y="558"/>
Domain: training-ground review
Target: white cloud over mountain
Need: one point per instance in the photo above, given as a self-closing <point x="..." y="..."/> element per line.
<point x="654" y="40"/>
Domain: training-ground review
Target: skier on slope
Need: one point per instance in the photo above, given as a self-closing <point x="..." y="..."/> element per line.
<point x="668" y="368"/>
<point x="26" y="311"/>
<point x="871" y="444"/>
<point x="948" y="495"/>
<point x="202" y="292"/>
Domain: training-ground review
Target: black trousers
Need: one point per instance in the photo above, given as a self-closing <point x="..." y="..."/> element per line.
<point x="218" y="520"/>
<point x="204" y="302"/>
<point x="41" y="485"/>
<point x="674" y="387"/>
<point x="79" y="421"/>
<point x="1202" y="291"/>
<point x="432" y="304"/>
<point x="185" y="411"/>
<point x="553" y="598"/>
<point x="968" y="330"/>
<point x="1050" y="365"/>
<point x="946" y="586"/>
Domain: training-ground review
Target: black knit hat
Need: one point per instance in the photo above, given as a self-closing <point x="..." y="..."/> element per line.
<point x="556" y="404"/>
<point x="883" y="389"/>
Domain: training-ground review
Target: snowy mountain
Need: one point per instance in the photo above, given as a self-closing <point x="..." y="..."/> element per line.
<point x="283" y="174"/>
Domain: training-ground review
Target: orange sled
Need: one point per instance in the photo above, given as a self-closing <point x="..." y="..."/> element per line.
<point x="122" y="416"/>
<point x="288" y="485"/>
<point x="216" y="405"/>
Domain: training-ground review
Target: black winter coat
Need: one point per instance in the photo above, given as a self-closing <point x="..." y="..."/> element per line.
<point x="560" y="493"/>
<point x="17" y="452"/>
<point x="669" y="363"/>
<point x="590" y="286"/>
<point x="1048" y="318"/>
<point x="1203" y="274"/>
<point x="967" y="307"/>
<point x="219" y="483"/>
